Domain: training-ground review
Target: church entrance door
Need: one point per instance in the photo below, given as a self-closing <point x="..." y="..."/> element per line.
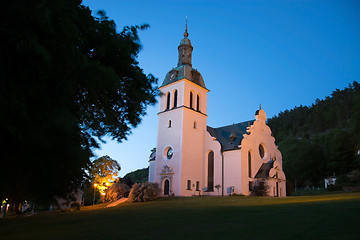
<point x="166" y="187"/>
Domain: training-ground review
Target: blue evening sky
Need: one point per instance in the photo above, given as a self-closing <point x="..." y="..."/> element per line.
<point x="279" y="54"/>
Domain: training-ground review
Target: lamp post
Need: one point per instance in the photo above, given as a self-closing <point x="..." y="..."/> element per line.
<point x="95" y="185"/>
<point x="103" y="196"/>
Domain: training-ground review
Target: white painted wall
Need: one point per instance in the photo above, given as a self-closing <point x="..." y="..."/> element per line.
<point x="260" y="133"/>
<point x="232" y="173"/>
<point x="185" y="140"/>
<point x="210" y="144"/>
<point x="191" y="146"/>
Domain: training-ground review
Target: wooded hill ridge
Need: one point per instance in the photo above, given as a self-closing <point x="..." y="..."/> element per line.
<point x="322" y="139"/>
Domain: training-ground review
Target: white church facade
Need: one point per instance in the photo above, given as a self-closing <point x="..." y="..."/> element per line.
<point x="192" y="158"/>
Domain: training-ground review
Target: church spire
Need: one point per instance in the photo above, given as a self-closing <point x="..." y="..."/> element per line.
<point x="185" y="49"/>
<point x="186" y="34"/>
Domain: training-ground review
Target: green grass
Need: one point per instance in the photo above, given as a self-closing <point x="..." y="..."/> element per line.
<point x="335" y="216"/>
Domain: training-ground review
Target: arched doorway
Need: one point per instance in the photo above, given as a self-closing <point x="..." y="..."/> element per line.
<point x="166" y="187"/>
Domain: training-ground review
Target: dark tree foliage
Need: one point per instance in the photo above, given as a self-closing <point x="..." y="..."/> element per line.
<point x="138" y="176"/>
<point x="322" y="139"/>
<point x="304" y="162"/>
<point x="66" y="77"/>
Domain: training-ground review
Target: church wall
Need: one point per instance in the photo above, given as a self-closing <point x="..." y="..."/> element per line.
<point x="169" y="137"/>
<point x="232" y="171"/>
<point x="196" y="90"/>
<point x="260" y="133"/>
<point x="182" y="129"/>
<point x="212" y="145"/>
<point x="194" y="124"/>
<point x="152" y="171"/>
<point x="281" y="192"/>
<point x="179" y="86"/>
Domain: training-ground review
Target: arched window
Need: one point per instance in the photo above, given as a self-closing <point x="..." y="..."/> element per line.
<point x="191" y="100"/>
<point x="169" y="124"/>
<point x="175" y="98"/>
<point x="249" y="163"/>
<point x="198" y="103"/>
<point x="168" y="101"/>
<point x="210" y="179"/>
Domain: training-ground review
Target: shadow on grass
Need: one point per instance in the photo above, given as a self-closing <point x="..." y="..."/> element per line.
<point x="308" y="217"/>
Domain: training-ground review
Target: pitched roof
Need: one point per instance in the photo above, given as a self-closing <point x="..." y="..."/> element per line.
<point x="230" y="136"/>
<point x="264" y="170"/>
<point x="181" y="72"/>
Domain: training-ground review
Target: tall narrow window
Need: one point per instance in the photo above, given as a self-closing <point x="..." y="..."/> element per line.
<point x="249" y="163"/>
<point x="175" y="98"/>
<point x="169" y="124"/>
<point x="195" y="124"/>
<point x="168" y="101"/>
<point x="198" y="103"/>
<point x="197" y="186"/>
<point x="191" y="100"/>
<point x="211" y="171"/>
<point x="188" y="185"/>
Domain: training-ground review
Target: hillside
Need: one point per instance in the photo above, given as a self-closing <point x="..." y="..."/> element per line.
<point x="137" y="176"/>
<point x="322" y="139"/>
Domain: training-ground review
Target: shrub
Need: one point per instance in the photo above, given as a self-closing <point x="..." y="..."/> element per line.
<point x="354" y="177"/>
<point x="116" y="191"/>
<point x="144" y="192"/>
<point x="259" y="188"/>
<point x="289" y="188"/>
<point x="75" y="205"/>
<point x="342" y="181"/>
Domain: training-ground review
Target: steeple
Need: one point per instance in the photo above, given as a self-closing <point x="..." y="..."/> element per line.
<point x="184" y="67"/>
<point x="185" y="49"/>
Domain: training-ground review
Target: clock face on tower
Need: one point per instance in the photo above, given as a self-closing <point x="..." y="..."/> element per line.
<point x="172" y="76"/>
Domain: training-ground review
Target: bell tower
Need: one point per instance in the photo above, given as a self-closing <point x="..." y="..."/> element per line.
<point x="178" y="164"/>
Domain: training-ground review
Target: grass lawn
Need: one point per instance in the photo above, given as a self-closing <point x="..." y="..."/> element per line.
<point x="335" y="216"/>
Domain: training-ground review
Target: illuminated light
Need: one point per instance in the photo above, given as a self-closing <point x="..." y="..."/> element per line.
<point x="103" y="194"/>
<point x="95" y="184"/>
<point x="107" y="184"/>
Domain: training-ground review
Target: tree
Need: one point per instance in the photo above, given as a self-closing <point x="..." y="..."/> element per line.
<point x="304" y="161"/>
<point x="340" y="149"/>
<point x="116" y="191"/>
<point x="137" y="176"/>
<point x="103" y="172"/>
<point x="67" y="80"/>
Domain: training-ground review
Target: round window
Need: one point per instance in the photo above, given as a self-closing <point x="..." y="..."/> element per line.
<point x="169" y="153"/>
<point x="261" y="151"/>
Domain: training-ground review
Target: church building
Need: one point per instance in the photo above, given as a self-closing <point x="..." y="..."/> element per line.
<point x="192" y="158"/>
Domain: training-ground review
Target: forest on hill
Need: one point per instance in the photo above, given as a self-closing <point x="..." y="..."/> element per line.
<point x="137" y="176"/>
<point x="320" y="140"/>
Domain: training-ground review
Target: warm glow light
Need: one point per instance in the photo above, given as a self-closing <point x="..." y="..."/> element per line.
<point x="107" y="184"/>
<point x="103" y="194"/>
<point x="95" y="184"/>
